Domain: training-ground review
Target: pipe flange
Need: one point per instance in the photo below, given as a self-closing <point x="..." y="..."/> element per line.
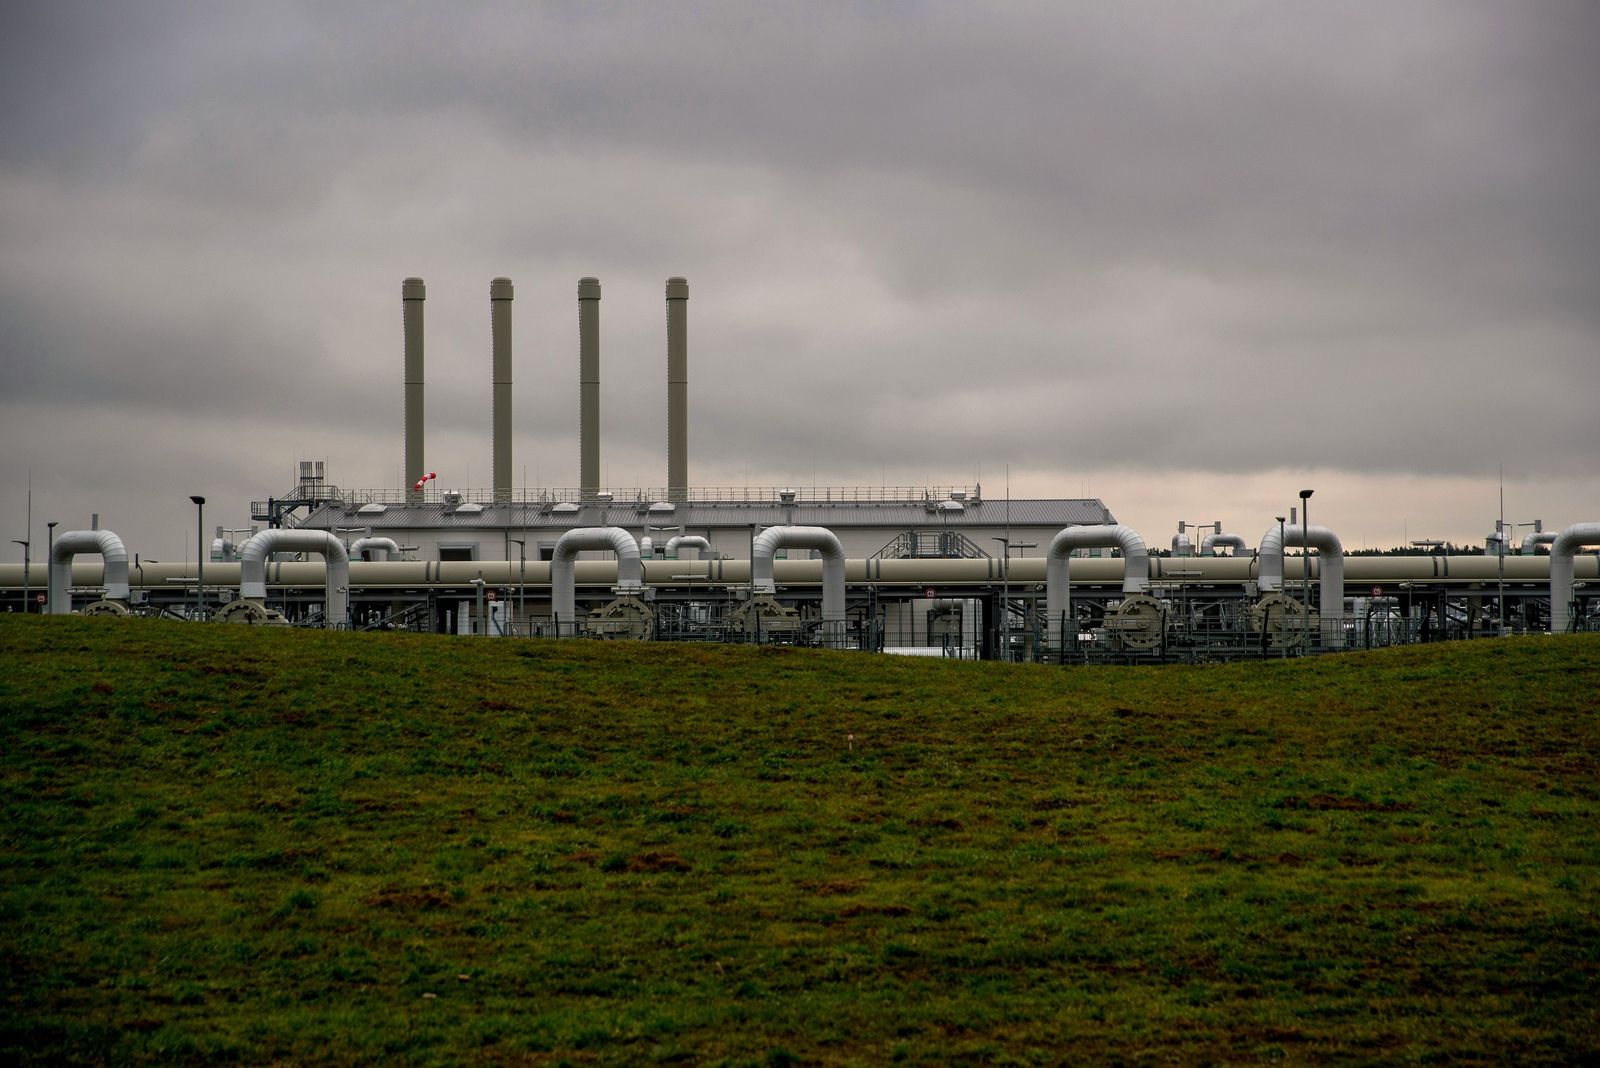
<point x="1284" y="620"/>
<point x="1136" y="623"/>
<point x="626" y="619"/>
<point x="250" y="614"/>
<point x="106" y="608"/>
<point x="765" y="612"/>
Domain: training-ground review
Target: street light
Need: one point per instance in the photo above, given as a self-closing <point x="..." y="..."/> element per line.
<point x="1005" y="597"/>
<point x="1305" y="561"/>
<point x="1283" y="554"/>
<point x="199" y="554"/>
<point x="522" y="576"/>
<point x="50" y="553"/>
<point x="26" y="561"/>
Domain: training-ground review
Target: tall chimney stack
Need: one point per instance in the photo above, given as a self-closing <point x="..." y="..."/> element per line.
<point x="677" y="390"/>
<point x="500" y="330"/>
<point x="589" y="387"/>
<point x="412" y="294"/>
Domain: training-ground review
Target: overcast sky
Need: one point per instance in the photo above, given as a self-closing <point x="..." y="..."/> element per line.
<point x="1187" y="258"/>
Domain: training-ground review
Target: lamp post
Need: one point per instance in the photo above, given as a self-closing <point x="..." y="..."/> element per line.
<point x="199" y="554"/>
<point x="522" y="576"/>
<point x="1283" y="554"/>
<point x="1005" y="596"/>
<point x="1305" y="560"/>
<point x="26" y="561"/>
<point x="50" y="552"/>
<point x="1183" y="528"/>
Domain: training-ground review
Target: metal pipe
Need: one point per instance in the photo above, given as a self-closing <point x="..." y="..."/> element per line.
<point x="1208" y="545"/>
<point x="412" y="295"/>
<point x="388" y="546"/>
<point x="769" y="541"/>
<point x="68" y="545"/>
<point x="1331" y="595"/>
<point x="1566" y="544"/>
<point x="1058" y="576"/>
<point x="589" y="387"/>
<point x="677" y="390"/>
<point x="253" y="566"/>
<point x="689" y="541"/>
<point x="1531" y="543"/>
<point x="500" y="296"/>
<point x="563" y="579"/>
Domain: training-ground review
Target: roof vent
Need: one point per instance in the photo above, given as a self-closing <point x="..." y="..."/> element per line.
<point x="372" y="509"/>
<point x="451" y="497"/>
<point x="786" y="496"/>
<point x="604" y="496"/>
<point x="958" y="495"/>
<point x="565" y="508"/>
<point x="952" y="506"/>
<point x="663" y="508"/>
<point x="469" y="509"/>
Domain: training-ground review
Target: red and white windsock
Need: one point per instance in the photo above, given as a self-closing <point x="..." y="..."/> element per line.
<point x="425" y="479"/>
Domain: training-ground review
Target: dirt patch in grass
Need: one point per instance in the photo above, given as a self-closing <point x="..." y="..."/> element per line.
<point x="1330" y="803"/>
<point x="419" y="900"/>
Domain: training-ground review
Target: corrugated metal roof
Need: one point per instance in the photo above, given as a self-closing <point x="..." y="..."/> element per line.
<point x="699" y="515"/>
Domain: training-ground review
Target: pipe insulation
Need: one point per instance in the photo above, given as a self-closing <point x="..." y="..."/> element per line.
<point x="769" y="541"/>
<point x="253" y="566"/>
<point x="589" y="388"/>
<point x="563" y="580"/>
<point x="388" y="546"/>
<point x="1058" y="576"/>
<point x="1236" y="542"/>
<point x="412" y="295"/>
<point x="1562" y="550"/>
<point x="1331" y="587"/>
<point x="1531" y="543"/>
<point x="500" y="296"/>
<point x="677" y="390"/>
<point x="687" y="541"/>
<point x="73" y="542"/>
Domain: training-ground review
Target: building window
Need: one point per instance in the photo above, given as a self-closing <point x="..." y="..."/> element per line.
<point x="458" y="550"/>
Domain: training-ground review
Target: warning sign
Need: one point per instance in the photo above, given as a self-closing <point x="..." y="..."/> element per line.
<point x="1377" y="591"/>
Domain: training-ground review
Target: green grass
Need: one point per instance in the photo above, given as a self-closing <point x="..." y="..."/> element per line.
<point x="247" y="844"/>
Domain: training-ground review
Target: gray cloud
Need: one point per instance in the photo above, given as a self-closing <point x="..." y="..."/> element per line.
<point x="1239" y="238"/>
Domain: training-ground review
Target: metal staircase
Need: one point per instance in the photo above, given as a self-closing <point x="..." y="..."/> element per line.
<point x="931" y="545"/>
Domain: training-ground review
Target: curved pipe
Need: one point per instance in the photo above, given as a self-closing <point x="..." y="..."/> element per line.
<point x="1236" y="542"/>
<point x="1331" y="588"/>
<point x="388" y="546"/>
<point x="68" y="545"/>
<point x="1181" y="545"/>
<point x="222" y="550"/>
<point x="563" y="580"/>
<point x="1058" y="576"/>
<point x="692" y="541"/>
<point x="1562" y="549"/>
<point x="1531" y="543"/>
<point x="767" y="543"/>
<point x="253" y="566"/>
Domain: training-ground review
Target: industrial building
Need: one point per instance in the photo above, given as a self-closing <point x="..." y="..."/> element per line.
<point x="945" y="570"/>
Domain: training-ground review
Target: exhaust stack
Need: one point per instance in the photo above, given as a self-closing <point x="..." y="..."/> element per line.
<point x="500" y="296"/>
<point x="589" y="388"/>
<point x="677" y="390"/>
<point x="412" y="294"/>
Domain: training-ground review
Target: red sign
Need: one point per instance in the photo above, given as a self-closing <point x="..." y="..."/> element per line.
<point x="1377" y="591"/>
<point x="930" y="593"/>
<point x="41" y="598"/>
<point x="490" y="594"/>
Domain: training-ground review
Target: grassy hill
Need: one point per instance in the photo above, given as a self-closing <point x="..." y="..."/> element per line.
<point x="246" y="844"/>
